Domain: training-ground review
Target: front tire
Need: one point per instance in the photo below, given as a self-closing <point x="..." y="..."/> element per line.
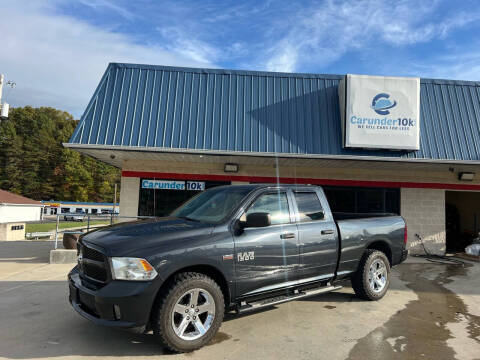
<point x="189" y="312"/>
<point x="372" y="279"/>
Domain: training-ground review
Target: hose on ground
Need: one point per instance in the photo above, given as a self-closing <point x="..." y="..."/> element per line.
<point x="437" y="259"/>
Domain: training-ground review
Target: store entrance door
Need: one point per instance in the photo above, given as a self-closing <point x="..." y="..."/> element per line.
<point x="462" y="219"/>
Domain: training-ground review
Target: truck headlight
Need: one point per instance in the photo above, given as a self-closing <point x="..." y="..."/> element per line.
<point x="126" y="268"/>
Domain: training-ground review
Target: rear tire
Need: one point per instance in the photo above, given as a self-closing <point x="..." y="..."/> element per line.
<point x="372" y="279"/>
<point x="189" y="312"/>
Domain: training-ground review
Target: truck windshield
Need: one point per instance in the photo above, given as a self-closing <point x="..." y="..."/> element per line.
<point x="213" y="205"/>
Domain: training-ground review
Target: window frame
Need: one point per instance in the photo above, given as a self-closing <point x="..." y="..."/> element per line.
<point x="250" y="202"/>
<point x="298" y="219"/>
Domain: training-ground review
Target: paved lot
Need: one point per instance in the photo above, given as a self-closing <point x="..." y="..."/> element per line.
<point x="431" y="312"/>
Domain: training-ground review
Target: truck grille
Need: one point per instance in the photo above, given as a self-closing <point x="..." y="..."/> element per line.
<point x="92" y="264"/>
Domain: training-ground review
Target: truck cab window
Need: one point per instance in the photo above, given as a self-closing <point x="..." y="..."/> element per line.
<point x="276" y="204"/>
<point x="309" y="207"/>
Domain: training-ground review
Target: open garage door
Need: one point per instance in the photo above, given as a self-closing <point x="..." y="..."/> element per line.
<point x="462" y="215"/>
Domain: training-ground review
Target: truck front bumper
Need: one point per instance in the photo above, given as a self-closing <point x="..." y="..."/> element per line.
<point x="120" y="304"/>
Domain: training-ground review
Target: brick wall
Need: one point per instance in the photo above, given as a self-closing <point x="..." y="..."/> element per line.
<point x="424" y="212"/>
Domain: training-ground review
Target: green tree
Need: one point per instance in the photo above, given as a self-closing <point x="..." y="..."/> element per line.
<point x="34" y="163"/>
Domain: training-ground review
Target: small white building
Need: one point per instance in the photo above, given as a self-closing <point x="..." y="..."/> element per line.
<point x="17" y="208"/>
<point x="15" y="211"/>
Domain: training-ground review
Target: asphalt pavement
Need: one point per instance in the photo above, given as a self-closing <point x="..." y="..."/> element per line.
<point x="430" y="312"/>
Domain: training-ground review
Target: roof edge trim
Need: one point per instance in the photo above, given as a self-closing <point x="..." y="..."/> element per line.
<point x="80" y="147"/>
<point x="222" y="71"/>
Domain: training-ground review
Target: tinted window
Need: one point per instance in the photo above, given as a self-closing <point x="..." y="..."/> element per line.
<point x="309" y="206"/>
<point x="363" y="200"/>
<point x="276" y="204"/>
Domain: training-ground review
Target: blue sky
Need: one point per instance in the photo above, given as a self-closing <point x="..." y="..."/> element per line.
<point x="57" y="50"/>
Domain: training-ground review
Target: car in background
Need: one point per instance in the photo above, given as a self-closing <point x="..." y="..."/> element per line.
<point x="75" y="217"/>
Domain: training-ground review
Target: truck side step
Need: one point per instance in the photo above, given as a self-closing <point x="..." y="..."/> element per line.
<point x="245" y="307"/>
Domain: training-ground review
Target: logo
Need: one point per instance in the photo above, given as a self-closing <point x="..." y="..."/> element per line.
<point x="80" y="257"/>
<point x="381" y="103"/>
<point x="246" y="256"/>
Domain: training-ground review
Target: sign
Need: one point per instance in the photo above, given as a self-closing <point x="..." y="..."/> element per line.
<point x="380" y="112"/>
<point x="195" y="185"/>
<point x="173" y="185"/>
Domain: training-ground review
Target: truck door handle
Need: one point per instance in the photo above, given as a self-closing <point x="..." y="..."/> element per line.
<point x="287" y="236"/>
<point x="327" y="232"/>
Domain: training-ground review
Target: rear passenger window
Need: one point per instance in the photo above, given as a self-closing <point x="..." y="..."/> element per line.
<point x="309" y="206"/>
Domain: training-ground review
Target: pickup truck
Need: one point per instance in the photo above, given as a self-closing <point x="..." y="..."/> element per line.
<point x="242" y="248"/>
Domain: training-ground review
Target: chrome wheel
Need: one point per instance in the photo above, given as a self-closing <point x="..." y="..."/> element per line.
<point x="193" y="314"/>
<point x="377" y="276"/>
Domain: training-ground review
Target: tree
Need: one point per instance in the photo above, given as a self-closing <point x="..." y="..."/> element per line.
<point x="34" y="163"/>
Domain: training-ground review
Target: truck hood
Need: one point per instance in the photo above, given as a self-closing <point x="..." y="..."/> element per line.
<point x="131" y="237"/>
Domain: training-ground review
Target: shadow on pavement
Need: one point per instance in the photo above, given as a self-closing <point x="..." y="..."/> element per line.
<point x="35" y="251"/>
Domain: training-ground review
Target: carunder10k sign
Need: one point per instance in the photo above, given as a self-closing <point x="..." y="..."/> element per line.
<point x="381" y="112"/>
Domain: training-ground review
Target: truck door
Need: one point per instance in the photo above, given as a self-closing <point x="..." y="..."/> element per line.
<point x="317" y="232"/>
<point x="267" y="257"/>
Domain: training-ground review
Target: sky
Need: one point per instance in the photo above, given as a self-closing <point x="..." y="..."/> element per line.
<point x="57" y="50"/>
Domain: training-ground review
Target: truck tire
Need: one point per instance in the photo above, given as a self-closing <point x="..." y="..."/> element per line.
<point x="372" y="279"/>
<point x="189" y="312"/>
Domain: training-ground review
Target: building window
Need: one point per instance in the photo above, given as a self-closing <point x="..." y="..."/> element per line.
<point x="161" y="197"/>
<point x="16" y="227"/>
<point x="65" y="210"/>
<point x="363" y="200"/>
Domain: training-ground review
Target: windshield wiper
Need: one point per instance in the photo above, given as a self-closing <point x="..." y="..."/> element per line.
<point x="188" y="218"/>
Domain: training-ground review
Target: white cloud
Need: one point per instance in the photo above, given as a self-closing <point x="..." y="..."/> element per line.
<point x="99" y="4"/>
<point x="325" y="32"/>
<point x="188" y="46"/>
<point x="461" y="66"/>
<point x="57" y="60"/>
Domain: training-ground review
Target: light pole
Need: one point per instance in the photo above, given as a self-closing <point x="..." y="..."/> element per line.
<point x="114" y="204"/>
<point x="4" y="107"/>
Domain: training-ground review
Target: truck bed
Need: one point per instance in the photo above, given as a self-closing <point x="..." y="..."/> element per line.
<point x="358" y="232"/>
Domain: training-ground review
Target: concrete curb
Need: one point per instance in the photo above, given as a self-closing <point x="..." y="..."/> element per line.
<point x="63" y="256"/>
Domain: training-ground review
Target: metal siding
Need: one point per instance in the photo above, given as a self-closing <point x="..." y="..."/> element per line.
<point x="200" y="109"/>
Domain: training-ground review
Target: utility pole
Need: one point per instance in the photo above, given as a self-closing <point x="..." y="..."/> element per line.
<point x="4" y="107"/>
<point x="115" y="198"/>
<point x="114" y="203"/>
<point x="2" y="79"/>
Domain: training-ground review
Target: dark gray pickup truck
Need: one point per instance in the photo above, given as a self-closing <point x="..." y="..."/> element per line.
<point x="229" y="248"/>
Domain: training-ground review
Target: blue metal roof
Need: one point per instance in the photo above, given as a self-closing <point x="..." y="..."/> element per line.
<point x="168" y="108"/>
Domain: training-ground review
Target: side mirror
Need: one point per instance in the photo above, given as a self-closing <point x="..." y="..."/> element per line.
<point x="321" y="215"/>
<point x="260" y="219"/>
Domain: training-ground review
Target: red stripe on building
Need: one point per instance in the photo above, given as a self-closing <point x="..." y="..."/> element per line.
<point x="287" y="180"/>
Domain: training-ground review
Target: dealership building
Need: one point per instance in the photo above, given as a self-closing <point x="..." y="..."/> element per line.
<point x="377" y="144"/>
